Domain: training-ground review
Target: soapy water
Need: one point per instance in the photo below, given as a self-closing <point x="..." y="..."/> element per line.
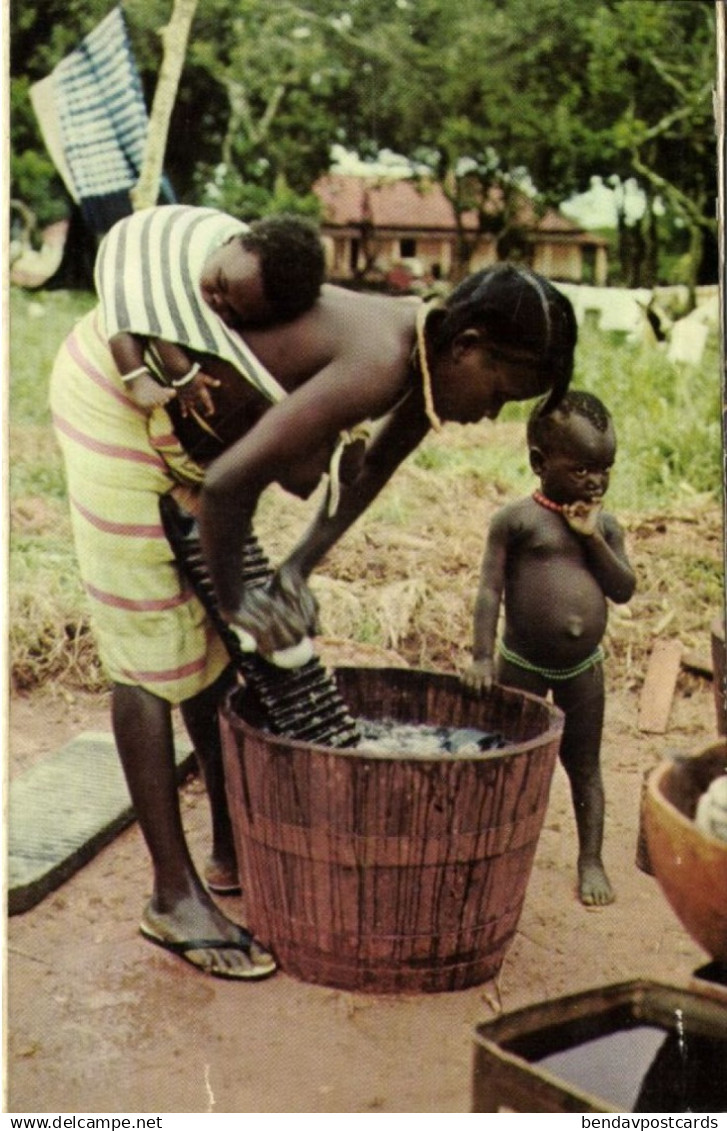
<point x="387" y="736"/>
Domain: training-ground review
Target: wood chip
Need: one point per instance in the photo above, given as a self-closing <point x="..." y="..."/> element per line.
<point x="698" y="662"/>
<point x="658" y="690"/>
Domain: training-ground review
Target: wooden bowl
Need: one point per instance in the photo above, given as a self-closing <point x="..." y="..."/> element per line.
<point x="690" y="865"/>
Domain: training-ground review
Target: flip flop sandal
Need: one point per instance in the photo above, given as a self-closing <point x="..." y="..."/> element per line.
<point x="223" y="889"/>
<point x="244" y="943"/>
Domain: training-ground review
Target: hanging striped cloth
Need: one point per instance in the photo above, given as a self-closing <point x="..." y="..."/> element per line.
<point x="147" y="278"/>
<point x="103" y="121"/>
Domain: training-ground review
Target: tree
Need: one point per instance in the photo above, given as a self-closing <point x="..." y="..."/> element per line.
<point x="499" y="93"/>
<point x="653" y="67"/>
<point x="284" y="70"/>
<point x="174" y="38"/>
<point x="475" y="93"/>
<point x="493" y="94"/>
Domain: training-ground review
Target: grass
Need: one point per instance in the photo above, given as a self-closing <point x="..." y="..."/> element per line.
<point x="38" y="325"/>
<point x="405" y="576"/>
<point x="668" y="421"/>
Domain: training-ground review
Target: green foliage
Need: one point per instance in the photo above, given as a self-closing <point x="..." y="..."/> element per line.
<point x="33" y="176"/>
<point x="667" y="416"/>
<point x="38" y="325"/>
<point x="225" y="188"/>
<point x="36" y="183"/>
<point x="48" y="633"/>
<point x="497" y="463"/>
<point x="29" y="478"/>
<point x="667" y="419"/>
<point x="279" y="70"/>
<point x="48" y="555"/>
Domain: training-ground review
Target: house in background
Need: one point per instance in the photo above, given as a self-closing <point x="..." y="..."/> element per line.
<point x="398" y="231"/>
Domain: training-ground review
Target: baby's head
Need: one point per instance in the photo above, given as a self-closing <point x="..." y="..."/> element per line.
<point x="572" y="447"/>
<point x="271" y="273"/>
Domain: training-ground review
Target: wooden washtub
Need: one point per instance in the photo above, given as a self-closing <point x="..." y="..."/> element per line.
<point x="385" y="872"/>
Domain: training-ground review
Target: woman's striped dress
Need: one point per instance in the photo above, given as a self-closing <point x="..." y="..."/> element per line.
<point x="151" y="629"/>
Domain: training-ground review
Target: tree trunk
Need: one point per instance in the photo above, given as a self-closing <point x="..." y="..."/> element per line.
<point x="623" y="254"/>
<point x="651" y="260"/>
<point x="696" y="248"/>
<point x="174" y="36"/>
<point x="637" y="246"/>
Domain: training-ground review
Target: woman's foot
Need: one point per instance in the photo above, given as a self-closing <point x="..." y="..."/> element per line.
<point x="221" y="877"/>
<point x="208" y="940"/>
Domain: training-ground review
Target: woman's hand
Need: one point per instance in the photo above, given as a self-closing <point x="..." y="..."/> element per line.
<point x="278" y="615"/>
<point x="293" y="589"/>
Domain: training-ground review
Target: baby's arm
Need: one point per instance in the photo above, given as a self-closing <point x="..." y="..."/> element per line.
<point x="480" y="674"/>
<point x="186" y="377"/>
<point x="605" y="549"/>
<point x="127" y="351"/>
<point x="173" y="359"/>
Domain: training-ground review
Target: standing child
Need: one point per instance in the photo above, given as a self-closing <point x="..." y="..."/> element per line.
<point x="557" y="556"/>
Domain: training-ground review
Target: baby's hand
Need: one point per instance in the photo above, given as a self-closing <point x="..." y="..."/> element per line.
<point x="196" y="395"/>
<point x="479" y="676"/>
<point x="582" y="516"/>
<point x="148" y="393"/>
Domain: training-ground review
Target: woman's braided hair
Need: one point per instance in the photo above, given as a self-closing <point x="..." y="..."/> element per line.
<point x="518" y="309"/>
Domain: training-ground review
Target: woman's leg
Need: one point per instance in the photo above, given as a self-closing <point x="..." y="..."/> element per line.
<point x="201" y="720"/>
<point x="180" y="910"/>
<point x="143" y="619"/>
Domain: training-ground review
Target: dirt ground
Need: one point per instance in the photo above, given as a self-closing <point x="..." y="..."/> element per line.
<point x="98" y="1021"/>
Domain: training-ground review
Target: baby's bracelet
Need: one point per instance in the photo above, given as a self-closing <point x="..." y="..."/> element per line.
<point x="188" y="377"/>
<point x="126" y="377"/>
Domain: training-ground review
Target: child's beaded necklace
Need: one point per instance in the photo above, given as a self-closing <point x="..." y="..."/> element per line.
<point x="544" y="501"/>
